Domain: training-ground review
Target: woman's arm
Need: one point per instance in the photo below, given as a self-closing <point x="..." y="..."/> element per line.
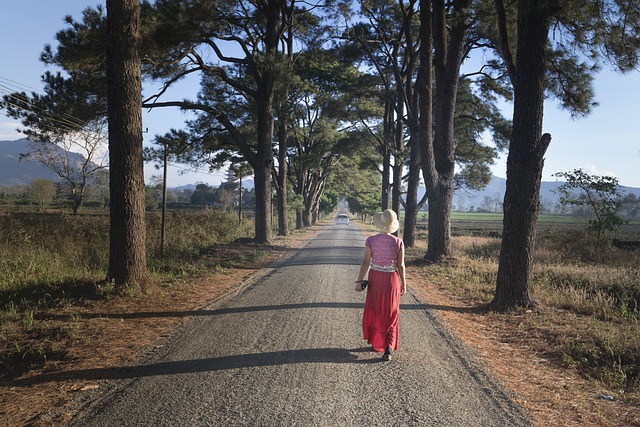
<point x="364" y="267"/>
<point x="401" y="271"/>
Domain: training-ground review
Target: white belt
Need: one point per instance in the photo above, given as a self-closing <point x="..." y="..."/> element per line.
<point x="383" y="268"/>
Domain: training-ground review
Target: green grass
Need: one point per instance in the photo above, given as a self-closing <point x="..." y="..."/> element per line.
<point x="497" y="216"/>
<point x="490" y="224"/>
<point x="494" y="216"/>
<point x="476" y="216"/>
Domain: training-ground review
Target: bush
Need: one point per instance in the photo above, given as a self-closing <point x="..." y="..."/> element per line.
<point x="49" y="254"/>
<point x="589" y="313"/>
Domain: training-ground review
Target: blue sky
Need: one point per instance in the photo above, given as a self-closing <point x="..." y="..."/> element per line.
<point x="605" y="143"/>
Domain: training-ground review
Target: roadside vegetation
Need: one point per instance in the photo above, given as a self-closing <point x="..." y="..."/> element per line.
<point x="587" y="298"/>
<point x="58" y="261"/>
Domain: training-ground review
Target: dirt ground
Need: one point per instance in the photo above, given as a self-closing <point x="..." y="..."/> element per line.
<point x="118" y="331"/>
<point x="552" y="395"/>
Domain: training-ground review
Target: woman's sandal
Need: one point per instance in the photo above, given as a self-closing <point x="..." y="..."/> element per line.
<point x="387" y="354"/>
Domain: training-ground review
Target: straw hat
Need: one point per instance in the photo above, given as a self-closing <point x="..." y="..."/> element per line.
<point x="386" y="221"/>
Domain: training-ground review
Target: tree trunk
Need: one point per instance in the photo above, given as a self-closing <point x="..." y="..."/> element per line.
<point x="439" y="225"/>
<point x="386" y="168"/>
<point x="240" y="202"/>
<point x="306" y="217"/>
<point x="525" y="161"/>
<point x="298" y="188"/>
<point x="398" y="161"/>
<point x="163" y="222"/>
<point x="409" y="224"/>
<point x="311" y="187"/>
<point x="405" y="75"/>
<point x="386" y="154"/>
<point x="263" y="199"/>
<point x="265" y="115"/>
<point x="281" y="176"/>
<point x="425" y="100"/>
<point x="262" y="170"/>
<point x="282" y="179"/>
<point x="75" y="205"/>
<point x="299" y="221"/>
<point x="315" y="209"/>
<point x="312" y="195"/>
<point x="448" y="48"/>
<point x="127" y="247"/>
<point x="396" y="186"/>
<point x="412" y="205"/>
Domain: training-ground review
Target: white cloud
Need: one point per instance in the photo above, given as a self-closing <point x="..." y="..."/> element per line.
<point x="8" y="131"/>
<point x="593" y="170"/>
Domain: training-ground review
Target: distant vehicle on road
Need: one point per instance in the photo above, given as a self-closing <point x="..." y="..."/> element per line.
<point x="342" y="219"/>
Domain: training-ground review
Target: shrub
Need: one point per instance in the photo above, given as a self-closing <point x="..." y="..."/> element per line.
<point x="47" y="253"/>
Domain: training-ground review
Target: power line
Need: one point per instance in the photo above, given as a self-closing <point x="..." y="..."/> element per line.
<point x="68" y="122"/>
<point x="8" y="87"/>
<point x="18" y="85"/>
<point x="63" y="124"/>
<point x="25" y="103"/>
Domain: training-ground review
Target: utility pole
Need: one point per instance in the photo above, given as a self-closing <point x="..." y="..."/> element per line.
<point x="240" y="202"/>
<point x="164" y="201"/>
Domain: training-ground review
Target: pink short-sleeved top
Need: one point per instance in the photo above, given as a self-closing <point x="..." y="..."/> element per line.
<point x="384" y="249"/>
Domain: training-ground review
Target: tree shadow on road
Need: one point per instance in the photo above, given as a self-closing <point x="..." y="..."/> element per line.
<point x="259" y="308"/>
<point x="213" y="364"/>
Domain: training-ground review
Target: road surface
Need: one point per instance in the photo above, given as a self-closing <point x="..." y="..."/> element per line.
<point x="288" y="351"/>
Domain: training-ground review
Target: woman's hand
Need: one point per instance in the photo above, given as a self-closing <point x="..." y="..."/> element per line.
<point x="359" y="286"/>
<point x="403" y="289"/>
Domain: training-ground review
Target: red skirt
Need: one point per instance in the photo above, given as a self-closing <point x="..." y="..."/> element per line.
<point x="381" y="310"/>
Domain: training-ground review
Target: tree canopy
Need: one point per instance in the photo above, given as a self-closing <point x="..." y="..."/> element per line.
<point x="311" y="94"/>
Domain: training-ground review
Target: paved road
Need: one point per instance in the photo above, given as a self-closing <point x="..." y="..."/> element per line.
<point x="288" y="351"/>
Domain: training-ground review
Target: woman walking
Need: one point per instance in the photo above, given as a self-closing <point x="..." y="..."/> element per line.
<point x="384" y="260"/>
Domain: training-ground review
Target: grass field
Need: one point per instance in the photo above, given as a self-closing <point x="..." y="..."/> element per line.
<point x="489" y="224"/>
<point x="588" y="297"/>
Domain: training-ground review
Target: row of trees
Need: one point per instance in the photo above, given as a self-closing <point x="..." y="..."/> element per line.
<point x="580" y="205"/>
<point x="45" y="193"/>
<point x="582" y="196"/>
<point x="298" y="90"/>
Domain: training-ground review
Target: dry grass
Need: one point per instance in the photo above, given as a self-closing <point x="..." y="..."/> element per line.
<point x="582" y="341"/>
<point x="553" y="394"/>
<point x="94" y="332"/>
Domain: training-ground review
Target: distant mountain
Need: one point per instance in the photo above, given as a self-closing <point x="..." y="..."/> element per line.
<point x="14" y="171"/>
<point x="247" y="184"/>
<point x="466" y="199"/>
<point x="187" y="187"/>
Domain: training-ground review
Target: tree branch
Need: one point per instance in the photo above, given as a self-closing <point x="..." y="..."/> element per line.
<point x="507" y="55"/>
<point x="237" y="136"/>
